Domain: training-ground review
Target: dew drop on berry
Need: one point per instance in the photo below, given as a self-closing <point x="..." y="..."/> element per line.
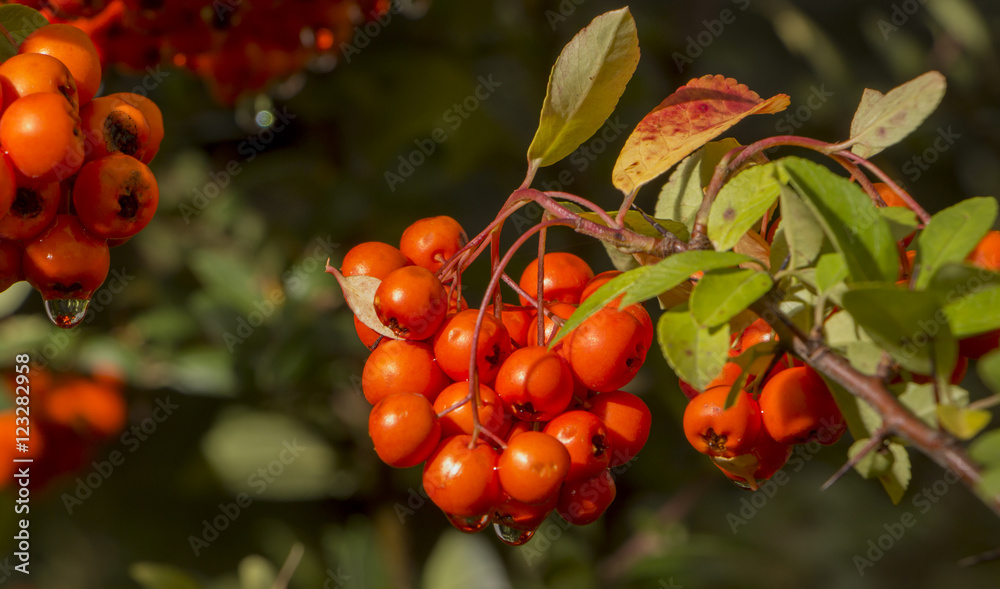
<point x="511" y="536"/>
<point x="469" y="525"/>
<point x="66" y="313"/>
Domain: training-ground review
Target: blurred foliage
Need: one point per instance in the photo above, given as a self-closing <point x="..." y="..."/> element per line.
<point x="227" y="312"/>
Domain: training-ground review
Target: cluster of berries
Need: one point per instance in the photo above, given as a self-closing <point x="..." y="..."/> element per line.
<point x="234" y="45"/>
<point x="69" y="419"/>
<point x="754" y="437"/>
<point x="548" y="424"/>
<point x="73" y="173"/>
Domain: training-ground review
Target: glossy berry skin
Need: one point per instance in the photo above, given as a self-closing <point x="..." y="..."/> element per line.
<point x="518" y="320"/>
<point x="535" y="384"/>
<point x="453" y="346"/>
<point x="463" y="482"/>
<point x="402" y="366"/>
<point x="518" y="515"/>
<point x="111" y="126"/>
<point x="404" y="429"/>
<point x="583" y="501"/>
<point x="561" y="310"/>
<point x="372" y="258"/>
<point x="34" y="208"/>
<point x="717" y="432"/>
<point x="564" y="278"/>
<point x="10" y="263"/>
<point x="606" y="351"/>
<point x="74" y="49"/>
<point x="31" y="73"/>
<point x="645" y="321"/>
<point x="432" y="241"/>
<point x="367" y="335"/>
<point x="797" y="408"/>
<point x="154" y="119"/>
<point x="586" y="438"/>
<point x="767" y="457"/>
<point x="411" y="302"/>
<point x="628" y="421"/>
<point x="41" y="134"/>
<point x="66" y="262"/>
<point x="459" y="421"/>
<point x="533" y="467"/>
<point x="115" y="196"/>
<point x="597" y="282"/>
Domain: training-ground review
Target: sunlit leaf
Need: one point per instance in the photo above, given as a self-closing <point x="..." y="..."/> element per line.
<point x="830" y="271"/>
<point x="359" y="294"/>
<point x="848" y="218"/>
<point x="868" y="99"/>
<point x="802" y="231"/>
<point x="923" y="402"/>
<point x="681" y="197"/>
<point x="587" y="80"/>
<point x="670" y="272"/>
<point x="721" y="294"/>
<point x="695" y="353"/>
<point x="951" y="234"/>
<point x="740" y="205"/>
<point x="637" y="223"/>
<point x="961" y="422"/>
<point x="884" y="121"/>
<point x="696" y="113"/>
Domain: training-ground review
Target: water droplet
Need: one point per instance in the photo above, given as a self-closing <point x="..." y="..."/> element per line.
<point x="66" y="313"/>
<point x="511" y="536"/>
<point x="469" y="525"/>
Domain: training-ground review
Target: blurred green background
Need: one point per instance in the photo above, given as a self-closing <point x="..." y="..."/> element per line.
<point x="228" y="313"/>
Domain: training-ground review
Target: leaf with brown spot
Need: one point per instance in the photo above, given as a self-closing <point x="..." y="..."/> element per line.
<point x="359" y="294"/>
<point x="695" y="114"/>
<point x="741" y="203"/>
<point x="882" y="121"/>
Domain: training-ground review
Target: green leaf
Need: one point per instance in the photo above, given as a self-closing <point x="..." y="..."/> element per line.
<point x="160" y="576"/>
<point x="619" y="259"/>
<point x="951" y="234"/>
<point x="898" y="479"/>
<point x="802" y="231"/>
<point x="721" y="294"/>
<point x="988" y="368"/>
<point x="740" y="205"/>
<point x="848" y="218"/>
<point x="955" y="280"/>
<point x="905" y="323"/>
<point x="902" y="221"/>
<point x="883" y="121"/>
<point x="921" y="400"/>
<point x="875" y="463"/>
<point x="963" y="423"/>
<point x="587" y="80"/>
<point x="986" y="450"/>
<point x="695" y="353"/>
<point x="671" y="271"/>
<point x="680" y="198"/>
<point x="854" y="411"/>
<point x="447" y="566"/>
<point x="868" y="99"/>
<point x="19" y="21"/>
<point x="989" y="484"/>
<point x="978" y="312"/>
<point x="637" y="223"/>
<point x="831" y="270"/>
<point x="864" y="356"/>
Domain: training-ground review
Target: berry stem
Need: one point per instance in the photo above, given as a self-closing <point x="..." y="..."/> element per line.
<point x="877" y="438"/>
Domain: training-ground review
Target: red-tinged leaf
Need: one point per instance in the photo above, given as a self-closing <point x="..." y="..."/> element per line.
<point x="359" y="293"/>
<point x="690" y="117"/>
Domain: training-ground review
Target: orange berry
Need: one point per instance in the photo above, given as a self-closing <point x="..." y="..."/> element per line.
<point x="74" y="48"/>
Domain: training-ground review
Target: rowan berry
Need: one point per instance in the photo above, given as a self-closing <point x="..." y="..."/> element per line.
<point x="41" y="134"/>
<point x="432" y="241"/>
<point x="34" y="207"/>
<point x="766" y="457"/>
<point x="518" y="515"/>
<point x="115" y="196"/>
<point x="717" y="432"/>
<point x="372" y="258"/>
<point x="411" y="302"/>
<point x="74" y="49"/>
<point x="597" y="282"/>
<point x="367" y="335"/>
<point x="628" y="421"/>
<point x="606" y="351"/>
<point x="797" y="408"/>
<point x="492" y="415"/>
<point x="88" y="407"/>
<point x="10" y="263"/>
<point x="583" y="501"/>
<point x="31" y="73"/>
<point x="564" y="278"/>
<point x="533" y="467"/>
<point x="402" y="366"/>
<point x="404" y="429"/>
<point x="453" y="346"/>
<point x="462" y="481"/>
<point x="154" y="119"/>
<point x="111" y="126"/>
<point x="586" y="437"/>
<point x="518" y="320"/>
<point x="561" y="310"/>
<point x="65" y="261"/>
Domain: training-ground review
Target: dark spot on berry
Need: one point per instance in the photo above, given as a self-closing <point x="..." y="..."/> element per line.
<point x="494" y="358"/>
<point x="600" y="445"/>
<point x="128" y="205"/>
<point x="26" y="204"/>
<point x="121" y="133"/>
<point x="67" y="289"/>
